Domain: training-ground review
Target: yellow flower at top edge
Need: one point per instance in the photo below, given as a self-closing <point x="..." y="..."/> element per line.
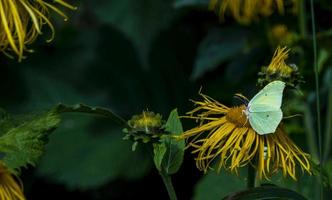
<point x="224" y="135"/>
<point x="10" y="189"/>
<point x="279" y="34"/>
<point x="21" y="21"/>
<point x="246" y="11"/>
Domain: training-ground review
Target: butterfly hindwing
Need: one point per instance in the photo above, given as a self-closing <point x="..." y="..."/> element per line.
<point x="265" y="122"/>
<point x="268" y="99"/>
<point x="263" y="110"/>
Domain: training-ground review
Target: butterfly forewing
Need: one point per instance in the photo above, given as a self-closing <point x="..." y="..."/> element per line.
<point x="268" y="99"/>
<point x="265" y="122"/>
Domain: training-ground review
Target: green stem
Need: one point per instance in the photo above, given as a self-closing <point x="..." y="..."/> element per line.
<point x="317" y="96"/>
<point x="168" y="184"/>
<point x="302" y="19"/>
<point x="251" y="177"/>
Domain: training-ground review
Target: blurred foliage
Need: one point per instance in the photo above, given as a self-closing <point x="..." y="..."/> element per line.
<point x="215" y="185"/>
<point x="133" y="55"/>
<point x="88" y="161"/>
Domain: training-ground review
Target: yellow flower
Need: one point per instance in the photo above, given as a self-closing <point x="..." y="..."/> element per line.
<point x="280" y="35"/>
<point x="279" y="70"/>
<point x="232" y="141"/>
<point x="246" y="11"/>
<point x="146" y="121"/>
<point x="145" y="127"/>
<point x="21" y="21"/>
<point x="9" y="188"/>
<point x="278" y="64"/>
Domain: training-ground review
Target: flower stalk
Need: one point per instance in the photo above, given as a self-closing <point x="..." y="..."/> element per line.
<point x="168" y="184"/>
<point x="251" y="178"/>
<point x="315" y="64"/>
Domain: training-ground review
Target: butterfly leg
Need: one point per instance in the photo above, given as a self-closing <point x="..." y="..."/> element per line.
<point x="244" y="112"/>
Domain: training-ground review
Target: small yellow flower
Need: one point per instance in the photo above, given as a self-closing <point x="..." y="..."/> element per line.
<point x="21" y="21"/>
<point x="146" y="121"/>
<point x="278" y="64"/>
<point x="279" y="70"/>
<point x="246" y="11"/>
<point x="145" y="127"/>
<point x="9" y="188"/>
<point x="225" y="134"/>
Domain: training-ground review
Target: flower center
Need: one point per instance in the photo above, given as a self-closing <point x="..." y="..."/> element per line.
<point x="237" y="116"/>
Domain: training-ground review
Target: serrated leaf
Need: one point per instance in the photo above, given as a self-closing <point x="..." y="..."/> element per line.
<point x="24" y="143"/>
<point x="159" y="151"/>
<point x="82" y="108"/>
<point x="265" y="192"/>
<point x="214" y="186"/>
<point x="218" y="46"/>
<point x="175" y="148"/>
<point x="139" y="20"/>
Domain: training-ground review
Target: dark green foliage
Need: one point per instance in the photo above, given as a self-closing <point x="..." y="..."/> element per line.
<point x="216" y="186"/>
<point x="78" y="159"/>
<point x="220" y="45"/>
<point x="126" y="56"/>
<point x="265" y="192"/>
<point x="85" y="109"/>
<point x="139" y="20"/>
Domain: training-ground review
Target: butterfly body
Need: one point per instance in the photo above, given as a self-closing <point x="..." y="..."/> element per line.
<point x="263" y="110"/>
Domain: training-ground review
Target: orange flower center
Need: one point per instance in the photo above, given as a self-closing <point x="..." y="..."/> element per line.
<point x="237" y="116"/>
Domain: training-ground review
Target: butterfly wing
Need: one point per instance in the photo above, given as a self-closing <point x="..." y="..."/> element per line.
<point x="268" y="99"/>
<point x="265" y="122"/>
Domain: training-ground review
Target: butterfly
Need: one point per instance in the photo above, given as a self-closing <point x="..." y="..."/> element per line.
<point x="263" y="110"/>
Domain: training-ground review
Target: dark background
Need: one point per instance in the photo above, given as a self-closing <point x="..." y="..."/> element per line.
<point x="133" y="55"/>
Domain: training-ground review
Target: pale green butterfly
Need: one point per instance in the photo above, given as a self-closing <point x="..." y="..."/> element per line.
<point x="263" y="110"/>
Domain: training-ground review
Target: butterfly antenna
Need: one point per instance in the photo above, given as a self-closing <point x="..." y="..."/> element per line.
<point x="291" y="116"/>
<point x="242" y="98"/>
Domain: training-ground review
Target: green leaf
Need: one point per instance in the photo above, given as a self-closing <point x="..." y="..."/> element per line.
<point x="86" y="151"/>
<point x="192" y="3"/>
<point x="214" y="186"/>
<point x="81" y="108"/>
<point x="265" y="192"/>
<point x="175" y="148"/>
<point x="139" y="20"/>
<point x="306" y="185"/>
<point x="81" y="157"/>
<point x="219" y="46"/>
<point x="24" y="143"/>
<point x="159" y="151"/>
